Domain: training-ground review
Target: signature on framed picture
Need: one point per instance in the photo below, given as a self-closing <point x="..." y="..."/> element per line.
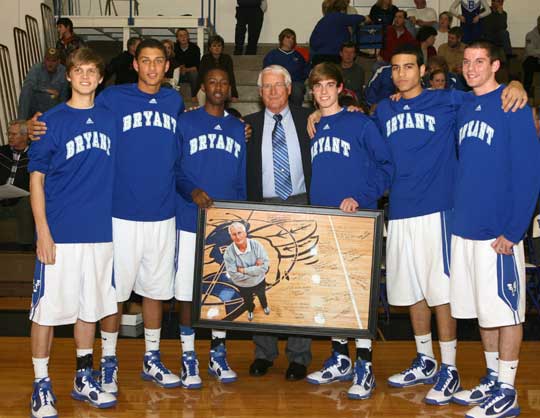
<point x="287" y="269"/>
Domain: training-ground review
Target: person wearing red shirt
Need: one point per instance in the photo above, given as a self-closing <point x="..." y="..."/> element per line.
<point x="396" y="35"/>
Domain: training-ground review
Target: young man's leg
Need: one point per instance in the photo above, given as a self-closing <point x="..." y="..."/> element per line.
<point x="43" y="399"/>
<point x="364" y="379"/>
<point x="85" y="387"/>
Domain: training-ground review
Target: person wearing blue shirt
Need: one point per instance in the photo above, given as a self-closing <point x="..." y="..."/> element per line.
<point x="288" y="57"/>
<point x="71" y="171"/>
<point x="331" y="31"/>
<point x="212" y="166"/>
<point x="352" y="168"/>
<point x="497" y="187"/>
<point x="380" y="86"/>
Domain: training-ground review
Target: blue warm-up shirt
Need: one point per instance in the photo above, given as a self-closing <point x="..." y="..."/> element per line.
<point x="331" y="32"/>
<point x="148" y="149"/>
<point x="421" y="133"/>
<point x="213" y="159"/>
<point x="498" y="178"/>
<point x="293" y="61"/>
<point x="349" y="159"/>
<point x="77" y="157"/>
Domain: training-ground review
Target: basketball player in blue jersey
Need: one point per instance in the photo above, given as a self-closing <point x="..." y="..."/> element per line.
<point x="420" y="129"/>
<point x="212" y="166"/>
<point x="352" y="167"/>
<point x="71" y="194"/>
<point x="497" y="186"/>
<point x="144" y="202"/>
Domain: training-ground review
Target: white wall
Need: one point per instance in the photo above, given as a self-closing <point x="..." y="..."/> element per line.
<point x="302" y="15"/>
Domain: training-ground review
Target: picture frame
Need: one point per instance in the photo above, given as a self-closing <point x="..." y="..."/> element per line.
<point x="305" y="271"/>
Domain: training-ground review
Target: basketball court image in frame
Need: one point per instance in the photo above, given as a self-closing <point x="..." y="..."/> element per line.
<point x="319" y="268"/>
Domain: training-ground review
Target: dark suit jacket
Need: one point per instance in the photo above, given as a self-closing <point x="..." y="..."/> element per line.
<point x="254" y="150"/>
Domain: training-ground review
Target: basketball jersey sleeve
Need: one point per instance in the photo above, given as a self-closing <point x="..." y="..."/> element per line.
<point x="41" y="152"/>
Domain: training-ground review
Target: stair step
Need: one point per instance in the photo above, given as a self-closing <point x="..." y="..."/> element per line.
<point x="246" y="77"/>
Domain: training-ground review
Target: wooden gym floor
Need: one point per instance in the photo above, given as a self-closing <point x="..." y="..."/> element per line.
<point x="268" y="396"/>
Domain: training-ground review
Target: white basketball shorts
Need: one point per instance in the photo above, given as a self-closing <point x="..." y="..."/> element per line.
<point x="79" y="285"/>
<point x="418" y="259"/>
<point x="144" y="258"/>
<point x="487" y="285"/>
<point x="185" y="265"/>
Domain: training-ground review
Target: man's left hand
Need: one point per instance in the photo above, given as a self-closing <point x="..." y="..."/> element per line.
<point x="201" y="198"/>
<point x="514" y="97"/>
<point x="502" y="246"/>
<point x="349" y="205"/>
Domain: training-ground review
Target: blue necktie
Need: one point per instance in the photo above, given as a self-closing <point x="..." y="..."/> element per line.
<point x="282" y="171"/>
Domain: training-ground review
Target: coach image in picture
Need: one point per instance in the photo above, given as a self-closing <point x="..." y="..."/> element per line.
<point x="247" y="263"/>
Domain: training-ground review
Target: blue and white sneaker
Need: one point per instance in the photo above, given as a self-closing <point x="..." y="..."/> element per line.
<point x="154" y="370"/>
<point x="422" y="371"/>
<point x="43" y="403"/>
<point x="447" y="383"/>
<point x="502" y="403"/>
<point x="479" y="393"/>
<point x="363" y="381"/>
<point x="218" y="366"/>
<point x="86" y="388"/>
<point x="109" y="374"/>
<point x="336" y="367"/>
<point x="190" y="378"/>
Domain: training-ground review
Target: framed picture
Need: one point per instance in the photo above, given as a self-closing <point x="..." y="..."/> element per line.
<point x="287" y="269"/>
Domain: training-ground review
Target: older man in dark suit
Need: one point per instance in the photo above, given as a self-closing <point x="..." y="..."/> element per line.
<point x="279" y="171"/>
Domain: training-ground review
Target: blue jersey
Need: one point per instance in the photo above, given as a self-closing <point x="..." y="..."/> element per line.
<point x="421" y="135"/>
<point x="349" y="159"/>
<point x="213" y="159"/>
<point x="331" y="31"/>
<point x="498" y="180"/>
<point x="380" y="86"/>
<point x="144" y="188"/>
<point x="77" y="157"/>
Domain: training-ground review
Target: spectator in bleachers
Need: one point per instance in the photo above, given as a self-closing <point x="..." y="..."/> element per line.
<point x="383" y="13"/>
<point x="188" y="58"/>
<point x="353" y="73"/>
<point x="531" y="64"/>
<point x="445" y="22"/>
<point x="215" y="58"/>
<point x="421" y="16"/>
<point x="437" y="79"/>
<point x="249" y="18"/>
<point x="452" y="51"/>
<point x="469" y="12"/>
<point x="453" y="81"/>
<point x="495" y="27"/>
<point x="380" y="86"/>
<point x="396" y="35"/>
<point x="425" y="37"/>
<point x="288" y="57"/>
<point x="173" y="64"/>
<point x="44" y="87"/>
<point x="14" y="170"/>
<point x="68" y="41"/>
<point x="121" y="66"/>
<point x="331" y="31"/>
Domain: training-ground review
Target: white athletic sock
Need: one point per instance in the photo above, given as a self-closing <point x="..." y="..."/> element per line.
<point x="41" y="367"/>
<point x="151" y="339"/>
<point x="219" y="334"/>
<point x="81" y="352"/>
<point x="448" y="352"/>
<point x="187" y="338"/>
<point x="362" y="343"/>
<point x="492" y="360"/>
<point x="424" y="345"/>
<point x="507" y="371"/>
<point x="340" y="340"/>
<point x="108" y="343"/>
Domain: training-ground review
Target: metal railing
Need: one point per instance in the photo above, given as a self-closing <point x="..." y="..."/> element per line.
<point x="8" y="94"/>
<point x="49" y="26"/>
<point x="32" y="28"/>
<point x="24" y="60"/>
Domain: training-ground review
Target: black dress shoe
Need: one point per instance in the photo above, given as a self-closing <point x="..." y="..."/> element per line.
<point x="296" y="371"/>
<point x="260" y="366"/>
